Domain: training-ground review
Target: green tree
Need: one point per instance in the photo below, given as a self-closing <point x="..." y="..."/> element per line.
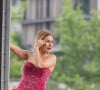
<point x="15" y="38"/>
<point x="17" y="11"/>
<point x="79" y="66"/>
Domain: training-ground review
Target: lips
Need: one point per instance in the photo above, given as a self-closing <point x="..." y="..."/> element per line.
<point x="48" y="48"/>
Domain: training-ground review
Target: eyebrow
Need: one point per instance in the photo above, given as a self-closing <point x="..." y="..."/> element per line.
<point x="51" y="40"/>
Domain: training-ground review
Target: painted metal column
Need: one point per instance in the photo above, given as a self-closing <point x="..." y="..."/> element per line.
<point x="5" y="46"/>
<point x="1" y="9"/>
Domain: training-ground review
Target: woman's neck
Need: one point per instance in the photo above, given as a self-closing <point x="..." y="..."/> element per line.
<point x="43" y="54"/>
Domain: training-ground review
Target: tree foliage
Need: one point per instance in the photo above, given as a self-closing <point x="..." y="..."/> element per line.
<point x="17" y="11"/>
<point x="79" y="66"/>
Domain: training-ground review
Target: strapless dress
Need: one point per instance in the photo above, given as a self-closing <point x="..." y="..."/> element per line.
<point x="33" y="78"/>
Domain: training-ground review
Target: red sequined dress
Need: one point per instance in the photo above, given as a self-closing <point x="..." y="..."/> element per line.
<point x="33" y="78"/>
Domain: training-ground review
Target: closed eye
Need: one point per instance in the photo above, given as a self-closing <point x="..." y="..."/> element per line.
<point x="50" y="41"/>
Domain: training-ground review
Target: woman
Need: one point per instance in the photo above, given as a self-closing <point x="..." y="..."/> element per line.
<point x="39" y="65"/>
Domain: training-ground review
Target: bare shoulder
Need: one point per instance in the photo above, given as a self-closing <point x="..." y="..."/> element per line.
<point x="52" y="60"/>
<point x="52" y="57"/>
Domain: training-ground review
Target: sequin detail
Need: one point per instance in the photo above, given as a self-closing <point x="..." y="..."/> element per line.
<point x="33" y="78"/>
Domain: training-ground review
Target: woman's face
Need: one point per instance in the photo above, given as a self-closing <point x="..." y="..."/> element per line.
<point x="48" y="43"/>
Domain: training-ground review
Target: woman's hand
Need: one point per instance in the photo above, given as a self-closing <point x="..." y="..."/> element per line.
<point x="39" y="43"/>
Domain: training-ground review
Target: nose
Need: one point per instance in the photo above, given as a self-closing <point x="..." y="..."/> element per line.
<point x="50" y="44"/>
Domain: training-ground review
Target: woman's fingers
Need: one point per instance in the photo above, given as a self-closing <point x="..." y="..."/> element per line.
<point x="39" y="43"/>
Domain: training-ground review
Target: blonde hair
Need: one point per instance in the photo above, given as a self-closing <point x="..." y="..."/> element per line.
<point x="42" y="34"/>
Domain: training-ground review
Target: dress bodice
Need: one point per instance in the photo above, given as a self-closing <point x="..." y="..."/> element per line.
<point x="33" y="78"/>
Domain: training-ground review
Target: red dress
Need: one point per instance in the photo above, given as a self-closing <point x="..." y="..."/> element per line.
<point x="33" y="78"/>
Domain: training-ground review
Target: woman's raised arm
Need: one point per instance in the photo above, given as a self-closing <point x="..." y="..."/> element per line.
<point x="21" y="53"/>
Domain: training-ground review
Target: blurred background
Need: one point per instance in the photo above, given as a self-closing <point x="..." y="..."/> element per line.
<point x="76" y="26"/>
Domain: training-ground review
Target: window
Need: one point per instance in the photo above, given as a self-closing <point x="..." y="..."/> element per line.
<point x="25" y="14"/>
<point x="48" y="8"/>
<point x="38" y="26"/>
<point x="48" y="25"/>
<point x="85" y="5"/>
<point x="39" y="9"/>
<point x="16" y="2"/>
